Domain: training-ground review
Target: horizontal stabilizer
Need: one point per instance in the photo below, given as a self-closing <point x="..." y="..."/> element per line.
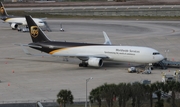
<point x="25" y="50"/>
<point x="28" y="45"/>
<point x="28" y="53"/>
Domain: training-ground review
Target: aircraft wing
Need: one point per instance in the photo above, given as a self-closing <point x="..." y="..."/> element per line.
<point x="84" y="56"/>
<point x="44" y="18"/>
<point x="70" y="56"/>
<point x="80" y="55"/>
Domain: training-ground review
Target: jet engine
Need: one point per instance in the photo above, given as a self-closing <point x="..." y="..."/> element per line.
<point x="14" y="26"/>
<point x="95" y="62"/>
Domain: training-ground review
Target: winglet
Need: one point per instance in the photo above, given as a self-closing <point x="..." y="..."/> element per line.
<point x="107" y="40"/>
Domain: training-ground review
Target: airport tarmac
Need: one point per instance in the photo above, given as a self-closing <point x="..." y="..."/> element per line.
<point x="33" y="78"/>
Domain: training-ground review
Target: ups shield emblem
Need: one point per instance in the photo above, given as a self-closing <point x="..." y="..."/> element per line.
<point x="34" y="31"/>
<point x="2" y="10"/>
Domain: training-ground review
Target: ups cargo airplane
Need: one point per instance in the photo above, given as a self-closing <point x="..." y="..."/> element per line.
<point x="91" y="54"/>
<point x="15" y="21"/>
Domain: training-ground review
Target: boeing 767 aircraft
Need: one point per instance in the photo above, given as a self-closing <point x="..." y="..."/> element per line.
<point x="90" y="54"/>
<point x="15" y="21"/>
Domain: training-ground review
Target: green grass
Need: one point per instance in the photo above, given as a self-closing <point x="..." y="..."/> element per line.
<point x="128" y="104"/>
<point x="83" y="0"/>
<point x="43" y="15"/>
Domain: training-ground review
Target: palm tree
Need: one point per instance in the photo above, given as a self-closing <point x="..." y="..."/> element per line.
<point x="174" y="87"/>
<point x="108" y="93"/>
<point x="123" y="93"/>
<point x="159" y="86"/>
<point x="64" y="97"/>
<point x="119" y="93"/>
<point x="138" y="94"/>
<point x="95" y="95"/>
<point x="150" y="89"/>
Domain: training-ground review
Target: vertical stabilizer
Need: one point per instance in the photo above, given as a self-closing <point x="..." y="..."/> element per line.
<point x="36" y="33"/>
<point x="3" y="10"/>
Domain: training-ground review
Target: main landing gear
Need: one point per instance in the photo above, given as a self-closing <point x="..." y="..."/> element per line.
<point x="83" y="64"/>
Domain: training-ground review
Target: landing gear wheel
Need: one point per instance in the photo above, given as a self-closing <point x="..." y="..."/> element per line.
<point x="83" y="65"/>
<point x="80" y="65"/>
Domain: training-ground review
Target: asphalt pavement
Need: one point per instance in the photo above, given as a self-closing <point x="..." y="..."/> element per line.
<point x="32" y="78"/>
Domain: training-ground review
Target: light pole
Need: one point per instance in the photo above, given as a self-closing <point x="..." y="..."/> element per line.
<point x="86" y="89"/>
<point x="166" y="53"/>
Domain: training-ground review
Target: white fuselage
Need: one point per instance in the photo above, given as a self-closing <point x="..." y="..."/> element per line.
<point x="114" y="53"/>
<point x="22" y="21"/>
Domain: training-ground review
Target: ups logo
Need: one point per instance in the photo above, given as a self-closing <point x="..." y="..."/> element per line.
<point x="34" y="31"/>
<point x="2" y="10"/>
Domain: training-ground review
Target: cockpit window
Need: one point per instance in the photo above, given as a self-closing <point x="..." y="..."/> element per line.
<point x="156" y="53"/>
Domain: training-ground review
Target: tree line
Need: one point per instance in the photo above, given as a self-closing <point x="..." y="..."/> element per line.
<point x="137" y="94"/>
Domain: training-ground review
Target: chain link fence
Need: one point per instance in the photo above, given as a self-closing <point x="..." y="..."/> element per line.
<point x="76" y="100"/>
<point x="52" y="0"/>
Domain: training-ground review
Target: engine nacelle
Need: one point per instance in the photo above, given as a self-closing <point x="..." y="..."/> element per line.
<point x="95" y="62"/>
<point x="14" y="26"/>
